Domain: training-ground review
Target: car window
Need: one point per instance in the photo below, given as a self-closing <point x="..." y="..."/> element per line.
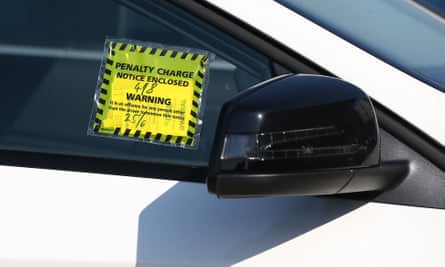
<point x="51" y="51"/>
<point x="407" y="34"/>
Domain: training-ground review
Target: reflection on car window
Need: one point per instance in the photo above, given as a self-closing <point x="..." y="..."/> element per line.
<point x="408" y="34"/>
<point x="435" y="7"/>
<point x="51" y="51"/>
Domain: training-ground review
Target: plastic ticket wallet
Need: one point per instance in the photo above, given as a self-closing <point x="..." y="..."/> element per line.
<point x="151" y="93"/>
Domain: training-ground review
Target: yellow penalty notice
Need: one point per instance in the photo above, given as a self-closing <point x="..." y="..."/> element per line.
<point x="150" y="92"/>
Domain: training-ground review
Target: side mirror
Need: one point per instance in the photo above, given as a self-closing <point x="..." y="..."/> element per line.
<point x="299" y="135"/>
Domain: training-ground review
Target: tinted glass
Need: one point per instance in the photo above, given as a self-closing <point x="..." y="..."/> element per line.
<point x="50" y="55"/>
<point x="408" y="34"/>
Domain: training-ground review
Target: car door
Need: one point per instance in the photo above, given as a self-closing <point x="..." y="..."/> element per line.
<point x="69" y="199"/>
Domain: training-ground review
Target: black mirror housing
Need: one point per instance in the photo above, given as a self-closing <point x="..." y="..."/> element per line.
<point x="276" y="135"/>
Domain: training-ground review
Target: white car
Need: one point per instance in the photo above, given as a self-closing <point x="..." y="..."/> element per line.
<point x="68" y="198"/>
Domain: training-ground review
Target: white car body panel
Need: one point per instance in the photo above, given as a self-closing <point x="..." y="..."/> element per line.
<point x="411" y="99"/>
<point x="63" y="218"/>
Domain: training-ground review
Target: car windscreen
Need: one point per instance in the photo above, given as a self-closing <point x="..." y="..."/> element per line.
<point x="409" y="35"/>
